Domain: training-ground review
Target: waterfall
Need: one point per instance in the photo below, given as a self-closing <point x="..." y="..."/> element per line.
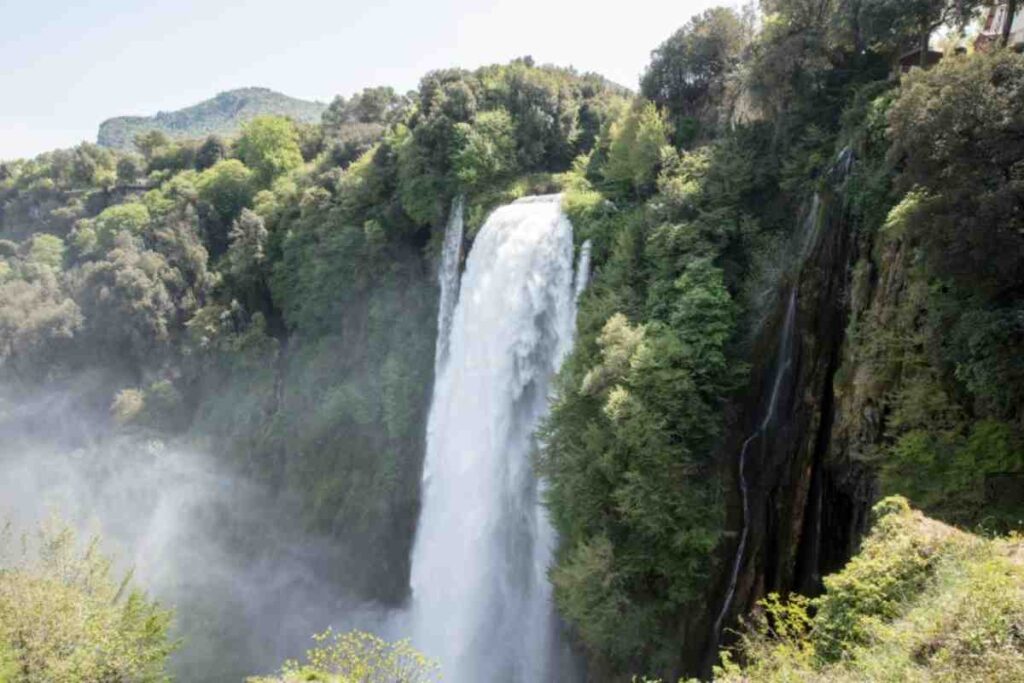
<point x="582" y="270"/>
<point x="783" y="364"/>
<point x="808" y="239"/>
<point x="481" y="601"/>
<point x="448" y="279"/>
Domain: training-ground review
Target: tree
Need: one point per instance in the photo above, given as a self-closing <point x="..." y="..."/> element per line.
<point x="212" y="150"/>
<point x="352" y="141"/>
<point x="542" y="104"/>
<point x="36" y="318"/>
<point x="373" y="105"/>
<point x="897" y="22"/>
<point x="485" y="149"/>
<point x="228" y="186"/>
<point x="269" y="145"/>
<point x="127" y="302"/>
<point x="628" y="455"/>
<point x="687" y="71"/>
<point x="173" y="157"/>
<point x="1011" y="13"/>
<point x="47" y="250"/>
<point x="955" y="131"/>
<point x="176" y="237"/>
<point x="245" y="261"/>
<point x="149" y="141"/>
<point x="131" y="218"/>
<point x="336" y="115"/>
<point x="129" y="168"/>
<point x="635" y="151"/>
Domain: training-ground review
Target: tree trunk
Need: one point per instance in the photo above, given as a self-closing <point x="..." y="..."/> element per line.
<point x="858" y="34"/>
<point x="925" y="39"/>
<point x="1011" y="12"/>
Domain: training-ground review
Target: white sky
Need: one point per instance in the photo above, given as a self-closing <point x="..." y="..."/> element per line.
<point x="66" y="66"/>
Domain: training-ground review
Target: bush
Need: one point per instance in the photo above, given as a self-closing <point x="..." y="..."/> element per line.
<point x="357" y="657"/>
<point x="65" y="619"/>
<point x="921" y="602"/>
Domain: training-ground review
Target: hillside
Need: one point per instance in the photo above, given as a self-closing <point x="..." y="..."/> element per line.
<point x="921" y="602"/>
<point x="222" y="115"/>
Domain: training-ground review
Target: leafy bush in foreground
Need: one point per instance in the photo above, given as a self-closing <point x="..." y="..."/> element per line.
<point x="357" y="657"/>
<point x="921" y="602"/>
<point x="65" y="619"/>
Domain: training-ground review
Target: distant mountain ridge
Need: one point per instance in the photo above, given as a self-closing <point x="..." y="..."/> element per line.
<point x="223" y="115"/>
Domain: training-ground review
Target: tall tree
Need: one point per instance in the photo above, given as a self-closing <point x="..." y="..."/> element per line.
<point x="269" y="145"/>
<point x="897" y="22"/>
<point x="686" y="69"/>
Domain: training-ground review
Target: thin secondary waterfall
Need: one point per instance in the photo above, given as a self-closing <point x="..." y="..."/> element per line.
<point x="783" y="364"/>
<point x="808" y="240"/>
<point x="448" y="279"/>
<point x="481" y="601"/>
<point x="582" y="270"/>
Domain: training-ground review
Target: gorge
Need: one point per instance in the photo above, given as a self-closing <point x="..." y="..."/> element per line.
<point x="524" y="376"/>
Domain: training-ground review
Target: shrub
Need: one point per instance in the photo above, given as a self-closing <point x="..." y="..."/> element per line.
<point x="64" y="618"/>
<point x="357" y="657"/>
<point x="921" y="602"/>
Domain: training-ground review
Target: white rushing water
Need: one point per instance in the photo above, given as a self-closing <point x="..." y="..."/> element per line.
<point x="582" y="270"/>
<point x="448" y="279"/>
<point x="481" y="601"/>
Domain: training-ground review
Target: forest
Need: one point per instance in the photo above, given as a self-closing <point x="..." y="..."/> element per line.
<point x="787" y="443"/>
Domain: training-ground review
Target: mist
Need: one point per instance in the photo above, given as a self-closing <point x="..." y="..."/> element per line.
<point x="248" y="585"/>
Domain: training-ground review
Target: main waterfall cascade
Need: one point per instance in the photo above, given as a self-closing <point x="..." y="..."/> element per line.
<point x="481" y="600"/>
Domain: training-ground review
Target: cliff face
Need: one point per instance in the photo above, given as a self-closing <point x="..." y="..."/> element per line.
<point x="808" y="494"/>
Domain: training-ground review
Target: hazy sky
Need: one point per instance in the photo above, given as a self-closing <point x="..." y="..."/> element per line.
<point x="66" y="66"/>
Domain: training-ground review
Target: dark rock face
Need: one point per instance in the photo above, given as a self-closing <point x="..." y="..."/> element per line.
<point x="807" y="499"/>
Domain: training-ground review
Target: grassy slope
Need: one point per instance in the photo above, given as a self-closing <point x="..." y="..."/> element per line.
<point x="922" y="602"/>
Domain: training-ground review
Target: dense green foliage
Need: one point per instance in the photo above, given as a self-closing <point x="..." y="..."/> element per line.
<point x="921" y="602"/>
<point x="220" y="115"/>
<point x="687" y="74"/>
<point x="688" y="242"/>
<point x="941" y="360"/>
<point x="65" y="619"/>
